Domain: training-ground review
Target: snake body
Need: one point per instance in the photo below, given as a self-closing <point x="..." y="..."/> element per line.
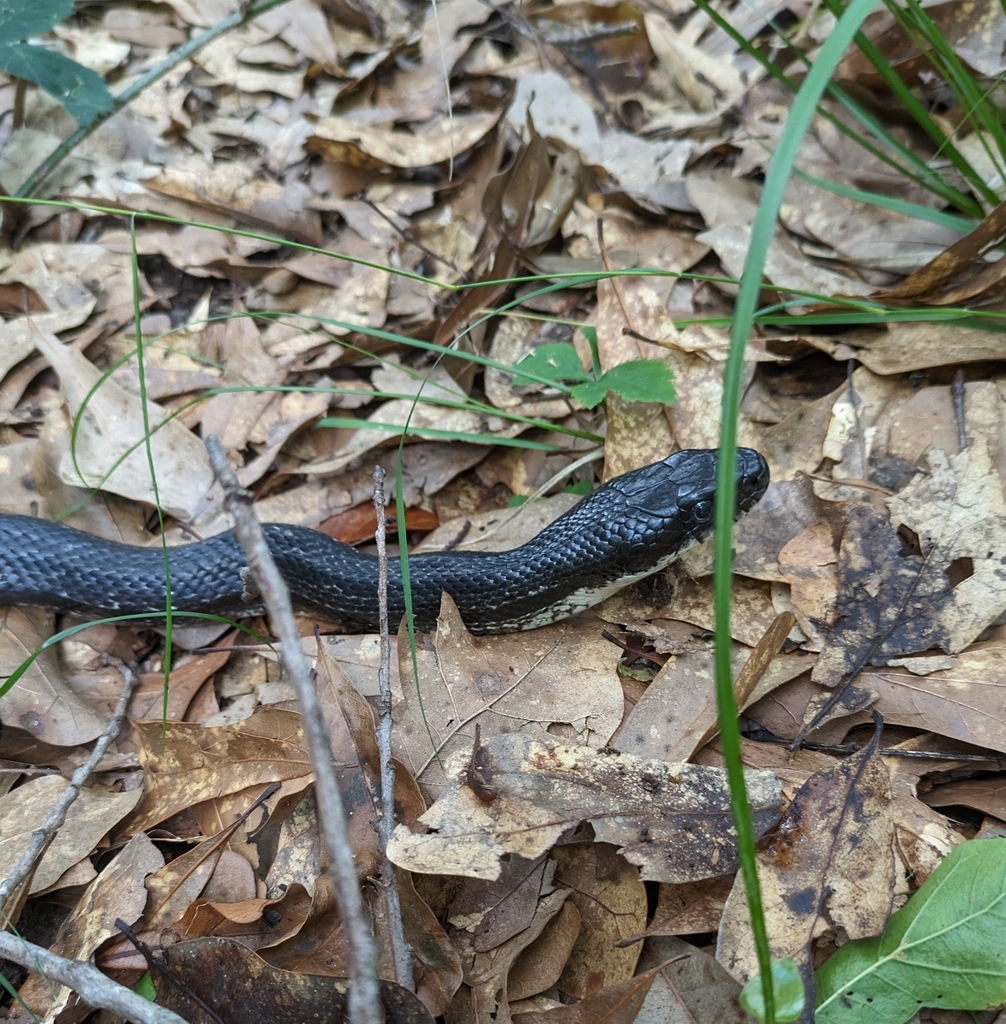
<point x="632" y="527"/>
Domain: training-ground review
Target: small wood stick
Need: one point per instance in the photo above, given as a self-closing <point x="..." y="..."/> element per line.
<point x="364" y="998"/>
<point x="400" y="949"/>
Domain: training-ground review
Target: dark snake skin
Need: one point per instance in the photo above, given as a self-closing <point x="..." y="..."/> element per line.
<point x="631" y="527"/>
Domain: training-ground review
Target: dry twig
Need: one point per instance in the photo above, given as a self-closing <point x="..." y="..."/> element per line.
<point x="364" y="998"/>
<point x="87" y="981"/>
<point x="400" y="951"/>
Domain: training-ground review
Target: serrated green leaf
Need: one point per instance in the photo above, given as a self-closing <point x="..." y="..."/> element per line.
<point x="787" y="987"/>
<point x="945" y="948"/>
<point x="590" y="393"/>
<point x="20" y="20"/>
<point x="642" y="380"/>
<point x="82" y="91"/>
<point x="558" y="362"/>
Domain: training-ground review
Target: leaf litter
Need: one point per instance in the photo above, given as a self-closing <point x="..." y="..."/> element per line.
<point x="554" y="787"/>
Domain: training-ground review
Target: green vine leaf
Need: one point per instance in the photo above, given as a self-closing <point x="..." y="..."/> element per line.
<point x="642" y="380"/>
<point x="558" y="363"/>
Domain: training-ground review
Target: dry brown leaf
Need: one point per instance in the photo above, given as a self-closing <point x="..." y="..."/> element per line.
<point x="117" y="893"/>
<point x="231" y="979"/>
<point x="676" y="714"/>
<point x="90" y="817"/>
<point x="966" y="702"/>
<point x="558" y="677"/>
<point x="650" y="171"/>
<point x="828" y="863"/>
<point x="611" y="899"/>
<point x="860" y="234"/>
<point x="540" y="965"/>
<point x="809" y="565"/>
<point x="690" y="908"/>
<point x="618" y="1003"/>
<point x="187" y="675"/>
<point x="189" y="764"/>
<point x="236" y="191"/>
<point x="112" y="426"/>
<point x="675" y="595"/>
<point x="891" y="603"/>
<point x="344" y="141"/>
<point x="494" y="911"/>
<point x="671" y="819"/>
<point x="904" y="347"/>
<point x="484" y="995"/>
<point x="41" y="702"/>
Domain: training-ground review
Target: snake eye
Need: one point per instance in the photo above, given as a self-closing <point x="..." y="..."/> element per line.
<point x="702" y="511"/>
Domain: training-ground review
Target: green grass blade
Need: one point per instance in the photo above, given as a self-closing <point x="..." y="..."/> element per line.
<point x="763" y="228"/>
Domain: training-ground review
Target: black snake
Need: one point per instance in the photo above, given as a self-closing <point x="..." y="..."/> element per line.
<point x="632" y="527"/>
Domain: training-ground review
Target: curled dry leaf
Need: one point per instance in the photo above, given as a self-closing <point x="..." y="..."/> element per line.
<point x="344" y="141"/>
<point x="673" y="820"/>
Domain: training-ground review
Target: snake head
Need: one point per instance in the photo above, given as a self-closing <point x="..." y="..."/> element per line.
<point x="686" y="482"/>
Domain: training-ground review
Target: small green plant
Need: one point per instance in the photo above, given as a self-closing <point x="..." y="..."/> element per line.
<point x="641" y="380"/>
<point x="945" y="948"/>
<point x="79" y="89"/>
<point x="787" y="985"/>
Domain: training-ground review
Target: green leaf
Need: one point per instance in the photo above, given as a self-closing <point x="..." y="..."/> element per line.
<point x="580" y="487"/>
<point x="145" y="988"/>
<point x="82" y="91"/>
<point x="642" y="380"/>
<point x="558" y="362"/>
<point x="20" y="20"/>
<point x="946" y="948"/>
<point x="787" y="986"/>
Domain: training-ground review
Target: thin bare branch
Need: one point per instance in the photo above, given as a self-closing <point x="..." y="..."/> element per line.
<point x="364" y="998"/>
<point x="87" y="981"/>
<point x="400" y="950"/>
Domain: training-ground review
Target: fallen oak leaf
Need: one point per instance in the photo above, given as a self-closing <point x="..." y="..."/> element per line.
<point x="672" y="820"/>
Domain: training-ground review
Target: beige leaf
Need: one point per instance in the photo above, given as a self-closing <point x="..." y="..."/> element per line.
<point x="89" y="818"/>
<point x="110" y="453"/>
<point x="41" y="702"/>
<point x="562" y="676"/>
<point x="336" y="138"/>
